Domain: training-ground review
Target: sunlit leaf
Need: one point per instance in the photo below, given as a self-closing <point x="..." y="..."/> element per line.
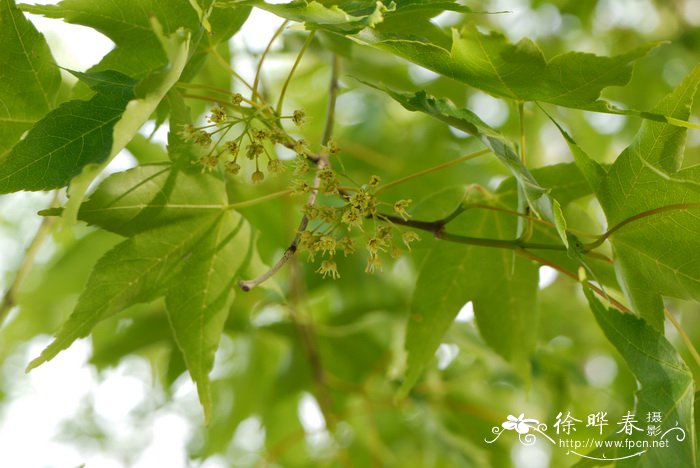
<point x="73" y="135"/>
<point x="29" y="77"/>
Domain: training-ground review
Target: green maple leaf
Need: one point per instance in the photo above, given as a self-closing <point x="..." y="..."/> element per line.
<point x="666" y="386"/>
<point x="29" y="77"/>
<point x="502" y="287"/>
<point x="488" y="62"/>
<point x="654" y="207"/>
<point x="127" y="23"/>
<point x="71" y="136"/>
<point x="149" y="196"/>
<point x="184" y="244"/>
<point x="531" y="193"/>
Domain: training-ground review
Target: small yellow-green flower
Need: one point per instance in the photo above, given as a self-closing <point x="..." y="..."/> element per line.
<point x="209" y="161"/>
<point x="327" y="245"/>
<point x="408" y="237"/>
<point x="232" y="167"/>
<point x="253" y="150"/>
<point x="274" y="166"/>
<point x="328" y="267"/>
<point x="375" y="244"/>
<point x="400" y="208"/>
<point x="232" y="147"/>
<point x="257" y="176"/>
<point x="298" y="117"/>
<point x="348" y="245"/>
<point x="352" y="218"/>
<point x="218" y="115"/>
<point x="373" y="263"/>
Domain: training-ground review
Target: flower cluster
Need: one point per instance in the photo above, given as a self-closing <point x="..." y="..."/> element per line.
<point x="343" y="219"/>
<point x="342" y="227"/>
<point x="256" y="130"/>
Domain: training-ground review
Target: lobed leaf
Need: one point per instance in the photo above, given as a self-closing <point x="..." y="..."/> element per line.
<point x="654" y="208"/>
<point x="199" y="297"/>
<point x="29" y="77"/>
<point x="151" y="196"/>
<point x="501" y="286"/>
<point x="485" y="61"/>
<point x="127" y="23"/>
<point x="149" y="93"/>
<point x="534" y="195"/>
<point x="71" y="136"/>
<point x="665" y="383"/>
<point x="184" y="244"/>
<point x="136" y="270"/>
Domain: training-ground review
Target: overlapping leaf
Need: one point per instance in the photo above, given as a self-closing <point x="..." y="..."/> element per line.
<point x="352" y="17"/>
<point x="666" y="385"/>
<point x="502" y="287"/>
<point x="516" y="71"/>
<point x="29" y="77"/>
<point x="149" y="94"/>
<point x="485" y="61"/>
<point x="137" y="49"/>
<point x="533" y="194"/>
<point x="184" y="244"/>
<point x="136" y="270"/>
<point x="655" y="208"/>
<point x="74" y="134"/>
<point x="149" y="196"/>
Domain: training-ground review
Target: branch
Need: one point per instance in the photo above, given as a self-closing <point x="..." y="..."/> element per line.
<point x="9" y="300"/>
<point x="305" y="331"/>
<point x="321" y="163"/>
<point x="437" y="228"/>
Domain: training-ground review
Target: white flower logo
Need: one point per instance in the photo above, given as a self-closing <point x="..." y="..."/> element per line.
<point x="522" y="426"/>
<point x="519" y="424"/>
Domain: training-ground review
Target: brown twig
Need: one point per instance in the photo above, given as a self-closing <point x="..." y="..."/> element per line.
<point x="321" y="163"/>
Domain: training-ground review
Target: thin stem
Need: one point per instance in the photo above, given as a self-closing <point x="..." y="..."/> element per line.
<point x="321" y="163"/>
<point x="638" y="216"/>
<point x="543" y="222"/>
<point x="256" y="82"/>
<point x="255" y="201"/>
<point x="204" y="86"/>
<point x="199" y="97"/>
<point x="214" y="89"/>
<point x="431" y="169"/>
<point x="527" y="231"/>
<point x="594" y="288"/>
<point x="522" y="132"/>
<point x="280" y="101"/>
<point x="227" y="66"/>
<point x="10" y="298"/>
<point x="332" y="98"/>
<point x="684" y="336"/>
